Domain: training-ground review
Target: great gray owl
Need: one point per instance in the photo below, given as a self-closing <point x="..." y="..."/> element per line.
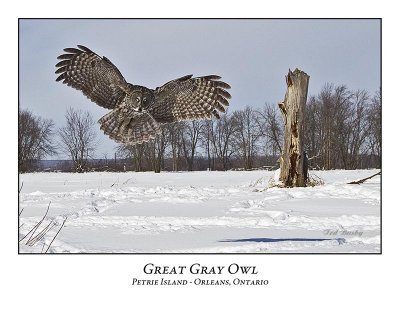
<point x="138" y="112"/>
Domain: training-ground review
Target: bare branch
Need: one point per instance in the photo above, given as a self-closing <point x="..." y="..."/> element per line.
<point x="357" y="182"/>
<point x="62" y="225"/>
<point x="36" y="226"/>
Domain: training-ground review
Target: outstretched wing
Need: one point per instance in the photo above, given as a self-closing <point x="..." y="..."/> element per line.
<point x="129" y="127"/>
<point x="188" y="98"/>
<point x="96" y="77"/>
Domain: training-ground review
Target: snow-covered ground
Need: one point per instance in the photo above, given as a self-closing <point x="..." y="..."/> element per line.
<point x="214" y="212"/>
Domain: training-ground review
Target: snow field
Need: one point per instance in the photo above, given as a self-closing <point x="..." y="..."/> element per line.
<point x="195" y="212"/>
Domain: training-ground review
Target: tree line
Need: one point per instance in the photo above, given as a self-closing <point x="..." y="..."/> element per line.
<point x="343" y="128"/>
<point x="342" y="131"/>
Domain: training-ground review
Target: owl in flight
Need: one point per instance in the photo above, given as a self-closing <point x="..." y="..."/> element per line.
<point x="139" y="112"/>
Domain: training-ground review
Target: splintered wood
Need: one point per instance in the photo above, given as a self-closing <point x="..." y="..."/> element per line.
<point x="292" y="162"/>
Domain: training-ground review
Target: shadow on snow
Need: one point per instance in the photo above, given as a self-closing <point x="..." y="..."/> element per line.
<point x="339" y="240"/>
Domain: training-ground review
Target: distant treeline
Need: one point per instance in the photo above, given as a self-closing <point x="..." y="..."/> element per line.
<point x="342" y="131"/>
<point x="121" y="165"/>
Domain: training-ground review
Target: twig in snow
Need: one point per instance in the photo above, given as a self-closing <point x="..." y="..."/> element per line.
<point x="116" y="182"/>
<point x="126" y="181"/>
<point x="314" y="180"/>
<point x="41" y="234"/>
<point x="62" y="225"/>
<point x="357" y="182"/>
<point x="37" y="225"/>
<point x="20" y="188"/>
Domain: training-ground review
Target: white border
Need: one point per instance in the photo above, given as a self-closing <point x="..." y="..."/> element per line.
<point x="302" y="281"/>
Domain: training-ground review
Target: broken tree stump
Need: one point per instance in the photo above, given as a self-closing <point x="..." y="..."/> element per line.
<point x="292" y="172"/>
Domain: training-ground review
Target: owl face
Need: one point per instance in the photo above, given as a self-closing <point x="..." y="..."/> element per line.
<point x="140" y="98"/>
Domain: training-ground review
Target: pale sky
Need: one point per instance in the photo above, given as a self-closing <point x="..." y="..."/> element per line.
<point x="253" y="56"/>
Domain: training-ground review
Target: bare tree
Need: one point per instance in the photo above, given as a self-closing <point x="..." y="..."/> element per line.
<point x="327" y="131"/>
<point x="174" y="131"/>
<point x="343" y="128"/>
<point x="34" y="139"/>
<point x="135" y="153"/>
<point x="205" y="142"/>
<point x="158" y="146"/>
<point x="375" y="125"/>
<point x="357" y="130"/>
<point x="326" y="125"/>
<point x="222" y="137"/>
<point x="78" y="138"/>
<point x="313" y="131"/>
<point x="271" y="127"/>
<point x="190" y="138"/>
<point x="247" y="135"/>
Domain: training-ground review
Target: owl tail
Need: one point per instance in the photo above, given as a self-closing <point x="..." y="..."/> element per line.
<point x="129" y="128"/>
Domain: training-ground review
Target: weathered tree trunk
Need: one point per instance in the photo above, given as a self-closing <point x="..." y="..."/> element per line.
<point x="292" y="108"/>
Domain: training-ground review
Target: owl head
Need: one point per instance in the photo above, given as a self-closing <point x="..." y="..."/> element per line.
<point x="139" y="97"/>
